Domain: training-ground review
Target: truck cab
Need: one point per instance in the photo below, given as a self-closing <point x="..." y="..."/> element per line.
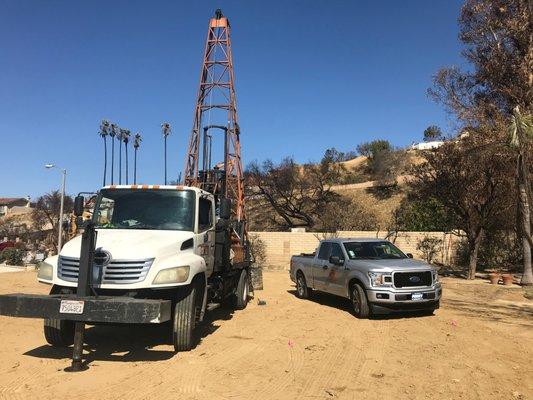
<point x="156" y="242"/>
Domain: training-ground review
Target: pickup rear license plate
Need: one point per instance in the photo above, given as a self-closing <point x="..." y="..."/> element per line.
<point x="71" y="307"/>
<point x="417" y="296"/>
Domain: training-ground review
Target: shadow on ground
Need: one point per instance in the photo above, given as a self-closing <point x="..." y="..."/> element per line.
<point x="515" y="314"/>
<point x="131" y="343"/>
<point x="340" y="303"/>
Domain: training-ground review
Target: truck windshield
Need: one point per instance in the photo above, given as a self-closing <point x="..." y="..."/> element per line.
<point x="145" y="209"/>
<point x="379" y="250"/>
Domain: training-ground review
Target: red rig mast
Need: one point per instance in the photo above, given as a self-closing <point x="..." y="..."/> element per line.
<point x="216" y="108"/>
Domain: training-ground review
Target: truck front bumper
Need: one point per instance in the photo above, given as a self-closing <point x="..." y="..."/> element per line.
<point x="393" y="300"/>
<point x="89" y="309"/>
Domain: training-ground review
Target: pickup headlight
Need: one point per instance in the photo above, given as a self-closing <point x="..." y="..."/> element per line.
<point x="172" y="275"/>
<point x="380" y="279"/>
<point x="46" y="271"/>
<point x="435" y="276"/>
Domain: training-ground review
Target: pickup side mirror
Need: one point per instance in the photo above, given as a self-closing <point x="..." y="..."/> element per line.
<point x="336" y="260"/>
<point x="225" y="208"/>
<point x="409" y="255"/>
<point x="78" y="205"/>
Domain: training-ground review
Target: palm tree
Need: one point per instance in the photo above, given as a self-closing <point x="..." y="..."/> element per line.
<point x="119" y="138"/>
<point x="126" y="138"/>
<point x="136" y="143"/>
<point x="521" y="132"/>
<point x="113" y="132"/>
<point x="166" y="131"/>
<point x="104" y="131"/>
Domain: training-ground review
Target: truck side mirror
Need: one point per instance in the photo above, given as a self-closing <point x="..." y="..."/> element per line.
<point x="409" y="255"/>
<point x="336" y="260"/>
<point x="225" y="208"/>
<point x="78" y="205"/>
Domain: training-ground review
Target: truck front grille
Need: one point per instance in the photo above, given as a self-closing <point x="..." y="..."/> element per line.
<point x="412" y="279"/>
<point x="116" y="271"/>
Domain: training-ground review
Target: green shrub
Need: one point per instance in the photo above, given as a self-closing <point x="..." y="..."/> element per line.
<point x="12" y="256"/>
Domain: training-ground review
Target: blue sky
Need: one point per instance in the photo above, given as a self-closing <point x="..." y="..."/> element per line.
<point x="309" y="75"/>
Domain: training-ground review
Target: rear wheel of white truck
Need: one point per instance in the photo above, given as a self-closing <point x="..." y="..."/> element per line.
<point x="302" y="291"/>
<point x="242" y="292"/>
<point x="360" y="305"/>
<point x="184" y="321"/>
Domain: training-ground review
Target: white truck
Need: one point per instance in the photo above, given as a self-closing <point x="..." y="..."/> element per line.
<point x="154" y="242"/>
<point x="373" y="273"/>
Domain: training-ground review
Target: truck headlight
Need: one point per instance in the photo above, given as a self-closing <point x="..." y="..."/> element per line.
<point x="172" y="275"/>
<point x="46" y="271"/>
<point x="380" y="279"/>
<point x="435" y="276"/>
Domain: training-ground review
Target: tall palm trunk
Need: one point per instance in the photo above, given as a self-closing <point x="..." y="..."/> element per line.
<point x="135" y="166"/>
<point x="165" y="160"/>
<point x="126" y="150"/>
<point x="105" y="158"/>
<point x="120" y="162"/>
<point x="112" y="160"/>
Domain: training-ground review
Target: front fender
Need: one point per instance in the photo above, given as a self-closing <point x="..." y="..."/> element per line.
<point x="358" y="275"/>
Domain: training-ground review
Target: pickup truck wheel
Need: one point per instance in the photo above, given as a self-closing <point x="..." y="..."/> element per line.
<point x="184" y="321"/>
<point x="242" y="292"/>
<point x="58" y="332"/>
<point x="361" y="309"/>
<point x="302" y="291"/>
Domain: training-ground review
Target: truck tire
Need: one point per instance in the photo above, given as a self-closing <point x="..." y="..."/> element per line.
<point x="58" y="332"/>
<point x="360" y="306"/>
<point x="302" y="291"/>
<point x="184" y="321"/>
<point x="240" y="298"/>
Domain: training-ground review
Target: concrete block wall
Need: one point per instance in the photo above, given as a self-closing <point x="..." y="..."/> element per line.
<point x="280" y="246"/>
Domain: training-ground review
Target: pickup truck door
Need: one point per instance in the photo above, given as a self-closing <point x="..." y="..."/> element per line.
<point x="205" y="238"/>
<point x="320" y="266"/>
<point x="336" y="274"/>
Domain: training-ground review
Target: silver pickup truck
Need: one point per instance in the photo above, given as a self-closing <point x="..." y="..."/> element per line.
<point x="374" y="274"/>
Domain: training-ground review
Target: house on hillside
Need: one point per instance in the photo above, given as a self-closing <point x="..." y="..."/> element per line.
<point x="14" y="205"/>
<point x="427" y="145"/>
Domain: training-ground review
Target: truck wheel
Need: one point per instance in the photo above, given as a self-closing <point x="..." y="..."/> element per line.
<point x="360" y="305"/>
<point x="184" y="321"/>
<point x="58" y="332"/>
<point x="302" y="291"/>
<point x="242" y="291"/>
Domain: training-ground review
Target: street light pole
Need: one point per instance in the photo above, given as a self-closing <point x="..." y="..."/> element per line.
<point x="60" y="233"/>
<point x="61" y="206"/>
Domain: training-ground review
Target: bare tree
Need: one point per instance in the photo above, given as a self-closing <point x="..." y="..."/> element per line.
<point x="45" y="215"/>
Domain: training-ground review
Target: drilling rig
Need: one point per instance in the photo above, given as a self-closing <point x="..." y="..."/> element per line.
<point x="157" y="253"/>
<point x="216" y="98"/>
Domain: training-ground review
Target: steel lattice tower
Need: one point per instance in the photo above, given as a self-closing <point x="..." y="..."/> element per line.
<point x="217" y="82"/>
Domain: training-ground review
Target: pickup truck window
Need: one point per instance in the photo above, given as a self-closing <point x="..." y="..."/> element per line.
<point x="323" y="254"/>
<point x="336" y="251"/>
<point x="378" y="250"/>
<point x="145" y="209"/>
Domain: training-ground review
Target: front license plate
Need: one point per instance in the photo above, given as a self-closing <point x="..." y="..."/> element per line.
<point x="71" y="307"/>
<point x="417" y="296"/>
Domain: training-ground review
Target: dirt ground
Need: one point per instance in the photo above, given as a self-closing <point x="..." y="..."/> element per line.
<point x="479" y="345"/>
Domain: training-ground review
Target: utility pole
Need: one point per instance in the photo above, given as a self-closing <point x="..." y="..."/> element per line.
<point x="136" y="143"/>
<point x="165" y="127"/>
<point x="61" y="205"/>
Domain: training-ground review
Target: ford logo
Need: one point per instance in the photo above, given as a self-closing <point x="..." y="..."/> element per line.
<point x="414" y="279"/>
